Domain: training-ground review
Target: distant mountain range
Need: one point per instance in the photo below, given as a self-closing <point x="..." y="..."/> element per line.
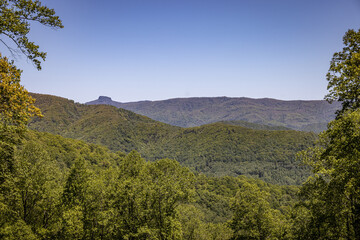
<point x="189" y="112"/>
<point x="220" y="149"/>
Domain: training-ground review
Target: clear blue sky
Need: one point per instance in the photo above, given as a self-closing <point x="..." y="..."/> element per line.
<point x="158" y="49"/>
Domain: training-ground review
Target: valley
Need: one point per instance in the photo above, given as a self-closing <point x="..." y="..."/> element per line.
<point x="217" y="149"/>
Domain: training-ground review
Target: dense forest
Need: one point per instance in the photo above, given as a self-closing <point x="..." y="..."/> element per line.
<point x="218" y="149"/>
<point x="67" y="189"/>
<point x="52" y="187"/>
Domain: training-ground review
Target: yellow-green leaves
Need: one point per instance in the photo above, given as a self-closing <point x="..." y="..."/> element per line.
<point x="16" y="105"/>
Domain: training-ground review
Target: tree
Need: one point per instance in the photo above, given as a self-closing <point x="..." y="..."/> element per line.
<point x="19" y="176"/>
<point x="194" y="225"/>
<point x="147" y="198"/>
<point x="15" y="19"/>
<point x="332" y="195"/>
<point x="252" y="214"/>
<point x="170" y="186"/>
<point x="131" y="200"/>
<point x="344" y="73"/>
<point x="30" y="195"/>
<point x="16" y="108"/>
<point x="16" y="105"/>
<point x="74" y="200"/>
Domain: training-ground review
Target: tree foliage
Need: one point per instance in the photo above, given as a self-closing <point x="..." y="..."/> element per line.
<point x="253" y="217"/>
<point x="332" y="195"/>
<point x="15" y="19"/>
<point x="331" y="198"/>
<point x="16" y="105"/>
<point x="67" y="189"/>
<point x="16" y="108"/>
<point x="344" y="73"/>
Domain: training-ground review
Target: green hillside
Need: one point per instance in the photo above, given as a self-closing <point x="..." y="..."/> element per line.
<point x="217" y="149"/>
<point x="225" y="150"/>
<point x="118" y="129"/>
<point x="254" y="125"/>
<point x="62" y="188"/>
<point x="190" y="112"/>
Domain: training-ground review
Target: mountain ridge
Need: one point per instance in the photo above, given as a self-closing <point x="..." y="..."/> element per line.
<point x="217" y="149"/>
<point x="103" y="97"/>
<point x="307" y="115"/>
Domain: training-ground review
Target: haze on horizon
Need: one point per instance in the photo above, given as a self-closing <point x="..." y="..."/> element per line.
<point x="132" y="50"/>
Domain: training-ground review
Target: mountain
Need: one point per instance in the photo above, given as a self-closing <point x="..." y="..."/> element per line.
<point x="190" y="112"/>
<point x="216" y="149"/>
<point x="118" y="129"/>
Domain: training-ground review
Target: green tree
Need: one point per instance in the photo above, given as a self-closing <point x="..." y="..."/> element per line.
<point x="147" y="198"/>
<point x="15" y="19"/>
<point x="74" y="200"/>
<point x="332" y="197"/>
<point x="16" y="108"/>
<point x="344" y="73"/>
<point x="333" y="194"/>
<point x="29" y="196"/>
<point x="253" y="217"/>
<point x="171" y="185"/>
<point x="131" y="200"/>
<point x="194" y="226"/>
<point x="22" y="188"/>
<point x="99" y="209"/>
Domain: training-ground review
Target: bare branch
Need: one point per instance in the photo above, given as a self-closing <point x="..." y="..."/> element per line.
<point x="14" y="53"/>
<point x="17" y="44"/>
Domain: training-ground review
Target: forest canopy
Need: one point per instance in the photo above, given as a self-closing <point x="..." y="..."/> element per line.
<point x="53" y="187"/>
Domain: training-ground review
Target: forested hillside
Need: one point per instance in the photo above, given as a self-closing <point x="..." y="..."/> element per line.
<point x="217" y="149"/>
<point x="190" y="112"/>
<point x="120" y="175"/>
<point x="68" y="189"/>
<point x="117" y="129"/>
<point x="255" y="126"/>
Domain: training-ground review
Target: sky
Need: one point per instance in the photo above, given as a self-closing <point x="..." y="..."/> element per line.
<point x="132" y="50"/>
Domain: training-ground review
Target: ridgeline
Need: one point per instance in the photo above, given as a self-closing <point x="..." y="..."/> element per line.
<point x="217" y="149"/>
<point x="190" y="112"/>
